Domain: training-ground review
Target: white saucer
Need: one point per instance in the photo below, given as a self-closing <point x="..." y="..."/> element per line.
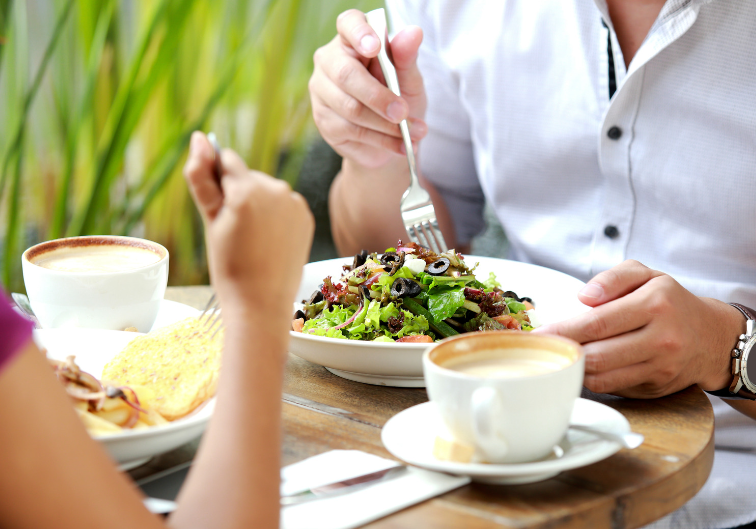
<point x="410" y="435"/>
<point x="171" y="312"/>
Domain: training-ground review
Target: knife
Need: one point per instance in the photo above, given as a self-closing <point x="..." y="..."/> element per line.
<point x="340" y="488"/>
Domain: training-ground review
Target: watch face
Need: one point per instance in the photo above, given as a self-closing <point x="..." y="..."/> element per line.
<point x="749" y="369"/>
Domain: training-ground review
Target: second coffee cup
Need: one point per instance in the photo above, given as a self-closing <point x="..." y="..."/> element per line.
<point x="507" y="394"/>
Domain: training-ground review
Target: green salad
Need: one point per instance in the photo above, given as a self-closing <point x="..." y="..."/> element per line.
<point x="410" y="294"/>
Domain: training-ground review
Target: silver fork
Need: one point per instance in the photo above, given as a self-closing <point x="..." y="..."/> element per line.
<point x="418" y="213"/>
<point x="211" y="317"/>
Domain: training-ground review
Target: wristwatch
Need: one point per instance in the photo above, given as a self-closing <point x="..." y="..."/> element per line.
<point x="743" y="384"/>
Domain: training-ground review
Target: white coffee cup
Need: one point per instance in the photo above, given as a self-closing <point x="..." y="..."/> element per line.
<point x="100" y="282"/>
<point x="507" y="394"/>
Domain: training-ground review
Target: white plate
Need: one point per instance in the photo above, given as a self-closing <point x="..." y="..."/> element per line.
<point x="93" y="349"/>
<point x="410" y="435"/>
<point x="400" y="364"/>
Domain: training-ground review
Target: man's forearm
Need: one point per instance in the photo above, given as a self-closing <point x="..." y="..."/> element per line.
<point x="365" y="207"/>
<point x="746" y="407"/>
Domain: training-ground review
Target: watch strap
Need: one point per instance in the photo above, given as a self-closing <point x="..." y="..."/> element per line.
<point x="748" y="313"/>
<point x="737" y="390"/>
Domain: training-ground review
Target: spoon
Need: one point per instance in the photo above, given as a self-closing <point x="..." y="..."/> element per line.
<point x="22" y="302"/>
<point x="626" y="440"/>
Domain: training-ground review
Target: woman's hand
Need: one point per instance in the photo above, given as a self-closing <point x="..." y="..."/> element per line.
<point x="647" y="336"/>
<point x="258" y="232"/>
<point x="353" y="109"/>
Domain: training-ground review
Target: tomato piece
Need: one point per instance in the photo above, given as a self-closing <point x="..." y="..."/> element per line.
<point x="509" y="322"/>
<point x="418" y="338"/>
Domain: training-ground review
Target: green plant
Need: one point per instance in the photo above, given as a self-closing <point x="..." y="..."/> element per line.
<point x="98" y="99"/>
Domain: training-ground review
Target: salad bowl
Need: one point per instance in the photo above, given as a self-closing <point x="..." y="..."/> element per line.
<point x="400" y="364"/>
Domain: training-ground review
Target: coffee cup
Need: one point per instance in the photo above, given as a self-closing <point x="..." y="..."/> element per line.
<point x="100" y="282"/>
<point x="507" y="394"/>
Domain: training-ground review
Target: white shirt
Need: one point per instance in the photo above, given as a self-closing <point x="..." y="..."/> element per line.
<point x="519" y="116"/>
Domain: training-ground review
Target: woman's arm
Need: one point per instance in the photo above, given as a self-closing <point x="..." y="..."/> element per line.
<point x="259" y="234"/>
<point x="54" y="475"/>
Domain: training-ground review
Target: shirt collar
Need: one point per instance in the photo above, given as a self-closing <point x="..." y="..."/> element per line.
<point x="670" y="9"/>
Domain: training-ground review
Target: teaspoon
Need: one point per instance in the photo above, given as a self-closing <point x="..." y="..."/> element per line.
<point x="626" y="440"/>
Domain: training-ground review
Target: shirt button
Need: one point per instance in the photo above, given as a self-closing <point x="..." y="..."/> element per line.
<point x="614" y="133"/>
<point x="611" y="231"/>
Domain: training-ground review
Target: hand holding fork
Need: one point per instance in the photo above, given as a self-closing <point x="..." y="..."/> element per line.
<point x="417" y="209"/>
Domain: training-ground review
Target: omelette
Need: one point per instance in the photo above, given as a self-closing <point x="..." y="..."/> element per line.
<point x="180" y="363"/>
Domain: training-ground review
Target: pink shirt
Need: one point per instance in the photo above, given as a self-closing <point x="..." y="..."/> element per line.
<point x="15" y="331"/>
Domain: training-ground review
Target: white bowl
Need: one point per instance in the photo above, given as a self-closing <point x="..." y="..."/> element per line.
<point x="400" y="364"/>
<point x="93" y="349"/>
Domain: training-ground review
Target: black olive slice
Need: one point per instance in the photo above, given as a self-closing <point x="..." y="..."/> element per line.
<point x="364" y="291"/>
<point x="403" y="288"/>
<point x="316" y="297"/>
<point x="388" y="259"/>
<point x="436" y="268"/>
<point x="299" y="314"/>
<point x="359" y="259"/>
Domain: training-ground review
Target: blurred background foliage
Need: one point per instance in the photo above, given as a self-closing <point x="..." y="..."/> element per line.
<point x="98" y="99"/>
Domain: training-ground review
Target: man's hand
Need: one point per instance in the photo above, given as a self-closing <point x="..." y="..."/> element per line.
<point x="353" y="109"/>
<point x="647" y="336"/>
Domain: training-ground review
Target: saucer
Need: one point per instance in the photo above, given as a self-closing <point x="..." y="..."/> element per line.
<point x="172" y="312"/>
<point x="410" y="436"/>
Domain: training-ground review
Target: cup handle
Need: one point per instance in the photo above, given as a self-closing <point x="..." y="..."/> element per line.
<point x="484" y="405"/>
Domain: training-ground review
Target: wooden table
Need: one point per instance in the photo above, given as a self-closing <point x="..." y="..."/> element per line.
<point x="630" y="489"/>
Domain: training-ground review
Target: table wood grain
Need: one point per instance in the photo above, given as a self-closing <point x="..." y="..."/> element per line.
<point x="323" y="412"/>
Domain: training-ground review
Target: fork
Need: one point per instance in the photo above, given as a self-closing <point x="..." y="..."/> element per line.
<point x="418" y="214"/>
<point x="211" y="317"/>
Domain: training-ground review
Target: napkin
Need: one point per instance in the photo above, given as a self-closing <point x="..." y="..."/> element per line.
<point x="363" y="505"/>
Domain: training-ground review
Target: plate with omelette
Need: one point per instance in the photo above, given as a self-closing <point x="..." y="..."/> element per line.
<point x="139" y="394"/>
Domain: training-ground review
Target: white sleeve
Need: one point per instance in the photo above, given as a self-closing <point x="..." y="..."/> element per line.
<point x="446" y="154"/>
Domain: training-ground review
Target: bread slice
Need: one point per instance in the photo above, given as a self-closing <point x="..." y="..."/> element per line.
<point x="180" y="363"/>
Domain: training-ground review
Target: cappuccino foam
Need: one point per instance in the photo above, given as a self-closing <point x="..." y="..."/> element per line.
<point x="104" y="258"/>
<point x="508" y="363"/>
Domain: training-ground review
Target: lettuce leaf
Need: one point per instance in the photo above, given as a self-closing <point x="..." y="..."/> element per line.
<point x="515" y="306"/>
<point x="373" y="316"/>
<point x="412" y="325"/>
<point x="443" y="281"/>
<point x="444" y="304"/>
<point x="328" y="333"/>
<point x="491" y="283"/>
<point x="389" y="311"/>
<point x="330" y="317"/>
